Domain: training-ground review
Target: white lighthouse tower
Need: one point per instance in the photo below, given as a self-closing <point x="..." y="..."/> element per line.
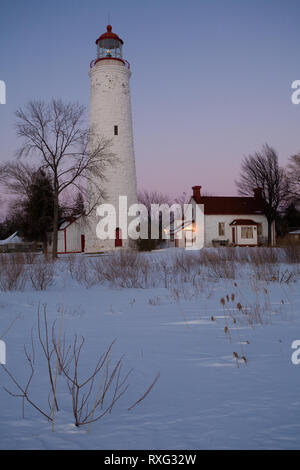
<point x="110" y="118"/>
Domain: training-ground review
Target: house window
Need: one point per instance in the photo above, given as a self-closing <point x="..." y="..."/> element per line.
<point x="247" y="232"/>
<point x="259" y="230"/>
<point x="193" y="212"/>
<point x="221" y="229"/>
<point x="116" y="130"/>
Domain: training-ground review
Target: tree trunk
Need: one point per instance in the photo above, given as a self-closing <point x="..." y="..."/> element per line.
<point x="55" y="226"/>
<point x="270" y="232"/>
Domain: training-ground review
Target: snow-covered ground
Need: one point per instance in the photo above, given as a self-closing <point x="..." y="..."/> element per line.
<point x="205" y="397"/>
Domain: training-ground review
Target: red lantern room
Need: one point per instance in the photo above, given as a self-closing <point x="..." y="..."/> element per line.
<point x="109" y="45"/>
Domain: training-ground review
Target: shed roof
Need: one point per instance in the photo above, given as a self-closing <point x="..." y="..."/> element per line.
<point x="12" y="239"/>
<point x="66" y="221"/>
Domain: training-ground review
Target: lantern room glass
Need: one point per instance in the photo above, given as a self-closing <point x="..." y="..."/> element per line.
<point x="109" y="47"/>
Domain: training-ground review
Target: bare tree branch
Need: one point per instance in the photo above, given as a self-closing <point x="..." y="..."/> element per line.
<point x="17" y="177"/>
<point x="294" y="175"/>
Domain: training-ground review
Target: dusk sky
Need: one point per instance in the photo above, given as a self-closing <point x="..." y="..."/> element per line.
<point x="211" y="79"/>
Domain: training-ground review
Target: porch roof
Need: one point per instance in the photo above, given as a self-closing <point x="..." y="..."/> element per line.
<point x="243" y="222"/>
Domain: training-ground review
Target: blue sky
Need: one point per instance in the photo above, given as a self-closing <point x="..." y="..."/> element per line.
<point x="211" y="79"/>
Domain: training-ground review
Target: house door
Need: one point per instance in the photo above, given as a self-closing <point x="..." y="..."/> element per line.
<point x="189" y="239"/>
<point x="118" y="240"/>
<point x="82" y="243"/>
<point x="233" y="235"/>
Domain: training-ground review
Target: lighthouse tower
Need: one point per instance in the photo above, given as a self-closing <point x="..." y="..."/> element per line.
<point x="110" y="118"/>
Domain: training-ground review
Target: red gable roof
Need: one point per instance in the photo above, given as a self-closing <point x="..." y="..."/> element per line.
<point x="231" y="205"/>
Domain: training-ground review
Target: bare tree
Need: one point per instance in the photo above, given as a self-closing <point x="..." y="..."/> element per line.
<point x="183" y="199"/>
<point x="17" y="177"/>
<point x="57" y="135"/>
<point x="294" y="175"/>
<point x="262" y="170"/>
<point x="1" y="174"/>
<point x="152" y="197"/>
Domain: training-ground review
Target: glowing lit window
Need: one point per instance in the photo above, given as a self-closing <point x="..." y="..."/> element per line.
<point x="247" y="232"/>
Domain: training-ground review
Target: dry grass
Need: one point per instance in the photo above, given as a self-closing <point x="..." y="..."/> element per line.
<point x="13" y="276"/>
<point x="185" y="272"/>
<point x="262" y="256"/>
<point x="292" y="253"/>
<point x="219" y="266"/>
<point x="124" y="269"/>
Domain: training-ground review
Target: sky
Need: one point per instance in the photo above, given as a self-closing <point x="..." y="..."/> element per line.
<point x="211" y="79"/>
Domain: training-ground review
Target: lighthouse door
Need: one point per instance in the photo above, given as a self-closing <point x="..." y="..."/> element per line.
<point x="82" y="243"/>
<point x="118" y="240"/>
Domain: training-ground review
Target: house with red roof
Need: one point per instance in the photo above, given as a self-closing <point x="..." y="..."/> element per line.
<point x="228" y="221"/>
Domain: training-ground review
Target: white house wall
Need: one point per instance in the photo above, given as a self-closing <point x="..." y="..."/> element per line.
<point x="69" y="239"/>
<point x="211" y="229"/>
<point x="73" y="237"/>
<point x="60" y="242"/>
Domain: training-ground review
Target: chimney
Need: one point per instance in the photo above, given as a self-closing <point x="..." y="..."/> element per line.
<point x="196" y="192"/>
<point x="257" y="193"/>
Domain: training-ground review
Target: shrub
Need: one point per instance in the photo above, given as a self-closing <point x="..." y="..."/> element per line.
<point x="124" y="269"/>
<point x="12" y="272"/>
<point x="218" y="266"/>
<point x="265" y="255"/>
<point x="82" y="271"/>
<point x="41" y="273"/>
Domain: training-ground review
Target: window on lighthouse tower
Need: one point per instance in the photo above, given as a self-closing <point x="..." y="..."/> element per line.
<point x="116" y="130"/>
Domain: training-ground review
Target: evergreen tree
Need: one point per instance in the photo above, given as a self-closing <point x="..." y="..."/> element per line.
<point x="38" y="208"/>
<point x="78" y="207"/>
<point x="292" y="216"/>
